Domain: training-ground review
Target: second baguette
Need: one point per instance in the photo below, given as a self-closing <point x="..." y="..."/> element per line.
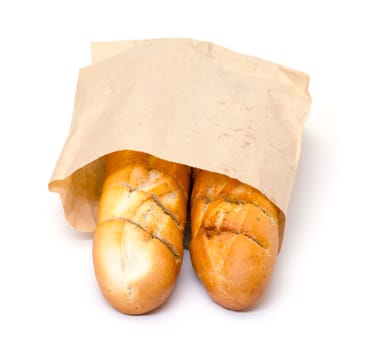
<point x="235" y="239"/>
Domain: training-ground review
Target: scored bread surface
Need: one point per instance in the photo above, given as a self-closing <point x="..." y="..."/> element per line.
<point x="138" y="243"/>
<point x="235" y="239"/>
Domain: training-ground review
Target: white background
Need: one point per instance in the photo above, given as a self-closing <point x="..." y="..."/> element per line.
<point x="318" y="294"/>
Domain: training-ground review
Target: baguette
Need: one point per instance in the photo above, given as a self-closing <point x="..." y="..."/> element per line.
<point x="235" y="239"/>
<point x="138" y="243"/>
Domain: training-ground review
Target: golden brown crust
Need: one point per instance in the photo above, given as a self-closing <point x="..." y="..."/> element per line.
<point x="235" y="239"/>
<point x="138" y="243"/>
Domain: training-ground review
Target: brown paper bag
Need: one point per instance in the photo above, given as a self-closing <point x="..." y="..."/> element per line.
<point x="186" y="101"/>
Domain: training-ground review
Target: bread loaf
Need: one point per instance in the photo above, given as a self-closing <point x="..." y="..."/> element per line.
<point x="235" y="239"/>
<point x="138" y="243"/>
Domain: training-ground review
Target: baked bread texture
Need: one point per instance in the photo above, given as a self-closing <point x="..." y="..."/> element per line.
<point x="138" y="243"/>
<point x="235" y="239"/>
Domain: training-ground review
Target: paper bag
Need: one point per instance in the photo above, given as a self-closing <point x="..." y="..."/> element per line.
<point x="185" y="101"/>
